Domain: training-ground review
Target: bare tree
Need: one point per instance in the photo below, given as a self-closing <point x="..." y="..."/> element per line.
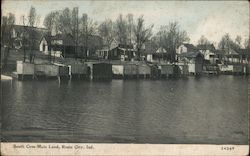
<point x="87" y="29"/>
<point x="7" y="24"/>
<point x="51" y="22"/>
<point x="226" y="43"/>
<point x="64" y="22"/>
<point x="203" y="41"/>
<point x="238" y="40"/>
<point x="121" y="30"/>
<point x="142" y="34"/>
<point x="106" y="31"/>
<point x="32" y="20"/>
<point x="130" y="27"/>
<point x="247" y="44"/>
<point x="170" y="37"/>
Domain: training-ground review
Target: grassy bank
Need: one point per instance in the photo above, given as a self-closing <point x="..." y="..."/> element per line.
<point x="18" y="55"/>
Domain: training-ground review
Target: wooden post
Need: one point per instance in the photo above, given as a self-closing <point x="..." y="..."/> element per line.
<point x="59" y="79"/>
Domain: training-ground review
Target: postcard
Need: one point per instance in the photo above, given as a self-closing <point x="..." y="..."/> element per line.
<point x="83" y="77"/>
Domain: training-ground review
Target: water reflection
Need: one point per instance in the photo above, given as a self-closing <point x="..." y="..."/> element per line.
<point x="203" y="110"/>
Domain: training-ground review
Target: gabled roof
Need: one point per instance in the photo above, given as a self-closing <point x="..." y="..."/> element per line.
<point x="161" y="50"/>
<point x="206" y="47"/>
<point x="243" y="51"/>
<point x="232" y="52"/>
<point x="190" y="47"/>
<point x="219" y="52"/>
<point x="190" y="54"/>
<point x="124" y="47"/>
<point x="67" y="39"/>
<point x="20" y="28"/>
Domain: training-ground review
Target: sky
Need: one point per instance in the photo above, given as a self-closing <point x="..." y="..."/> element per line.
<point x="212" y="19"/>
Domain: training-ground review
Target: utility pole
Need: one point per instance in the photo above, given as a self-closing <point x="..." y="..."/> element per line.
<point x="77" y="29"/>
<point x="23" y="42"/>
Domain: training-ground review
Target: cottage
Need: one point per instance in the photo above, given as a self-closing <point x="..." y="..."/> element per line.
<point x="103" y="53"/>
<point x="244" y="55"/>
<point x="21" y="33"/>
<point x="208" y="51"/>
<point x="160" y="55"/>
<point x="232" y="56"/>
<point x="58" y="45"/>
<point x="219" y="56"/>
<point x="194" y="60"/>
<point x="122" y="52"/>
<point x="64" y="45"/>
<point x="185" y="48"/>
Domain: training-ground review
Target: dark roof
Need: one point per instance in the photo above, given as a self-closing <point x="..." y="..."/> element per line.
<point x="67" y="39"/>
<point x="232" y="52"/>
<point x="20" y="28"/>
<point x="190" y="47"/>
<point x="126" y="46"/>
<point x="190" y="54"/>
<point x="219" y="52"/>
<point x="93" y="41"/>
<point x="206" y="47"/>
<point x="243" y="51"/>
<point x="37" y="33"/>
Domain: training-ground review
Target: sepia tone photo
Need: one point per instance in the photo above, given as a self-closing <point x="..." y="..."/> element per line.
<point x="124" y="72"/>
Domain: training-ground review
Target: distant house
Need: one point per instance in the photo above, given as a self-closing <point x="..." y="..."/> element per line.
<point x="157" y="55"/>
<point x="185" y="48"/>
<point x="122" y="52"/>
<point x="194" y="60"/>
<point x="219" y="55"/>
<point x="64" y="45"/>
<point x="20" y="33"/>
<point x="244" y="55"/>
<point x="103" y="52"/>
<point x="59" y="45"/>
<point x="208" y="51"/>
<point x="89" y="48"/>
<point x="232" y="56"/>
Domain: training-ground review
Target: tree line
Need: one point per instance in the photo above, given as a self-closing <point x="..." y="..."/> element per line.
<point x="125" y="30"/>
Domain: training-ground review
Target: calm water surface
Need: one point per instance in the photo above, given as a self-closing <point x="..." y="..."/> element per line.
<point x="192" y="110"/>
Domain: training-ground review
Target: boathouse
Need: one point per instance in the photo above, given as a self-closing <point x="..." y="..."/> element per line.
<point x="25" y="70"/>
<point x="194" y="60"/>
<point x="99" y="70"/>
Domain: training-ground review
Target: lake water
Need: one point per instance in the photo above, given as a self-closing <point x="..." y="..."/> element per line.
<point x="192" y="110"/>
